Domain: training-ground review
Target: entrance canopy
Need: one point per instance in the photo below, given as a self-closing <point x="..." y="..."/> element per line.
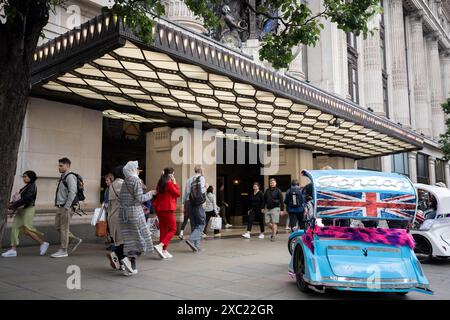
<point x="183" y="77"/>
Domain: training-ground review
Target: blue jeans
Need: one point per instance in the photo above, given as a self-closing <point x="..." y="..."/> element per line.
<point x="198" y="220"/>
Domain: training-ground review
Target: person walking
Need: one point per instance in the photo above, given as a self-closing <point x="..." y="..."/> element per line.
<point x="183" y="225"/>
<point x="223" y="206"/>
<point x="109" y="178"/>
<point x="295" y="205"/>
<point x="273" y="199"/>
<point x="256" y="205"/>
<point x="193" y="199"/>
<point x="165" y="205"/>
<point x="135" y="233"/>
<point x="66" y="197"/>
<point x="23" y="219"/>
<point x="211" y="208"/>
<point x="116" y="255"/>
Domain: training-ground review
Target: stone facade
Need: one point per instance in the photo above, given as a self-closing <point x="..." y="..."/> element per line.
<point x="416" y="59"/>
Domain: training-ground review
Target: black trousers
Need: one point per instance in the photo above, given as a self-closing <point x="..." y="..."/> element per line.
<point x="253" y="215"/>
<point x="209" y="215"/>
<point x="296" y="217"/>
<point x="119" y="252"/>
<point x="185" y="221"/>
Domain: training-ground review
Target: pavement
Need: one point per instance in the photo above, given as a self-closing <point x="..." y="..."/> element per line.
<point x="229" y="268"/>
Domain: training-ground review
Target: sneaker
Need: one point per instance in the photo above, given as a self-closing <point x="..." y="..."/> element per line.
<point x="127" y="273"/>
<point x="77" y="242"/>
<point x="217" y="235"/>
<point x="43" y="248"/>
<point x="272" y="237"/>
<point x="60" y="254"/>
<point x="167" y="254"/>
<point x="228" y="226"/>
<point x="181" y="235"/>
<point x="192" y="245"/>
<point x="288" y="228"/>
<point x="246" y="235"/>
<point x="9" y="254"/>
<point x="261" y="236"/>
<point x="128" y="268"/>
<point x="204" y="235"/>
<point x="113" y="260"/>
<point x="159" y="250"/>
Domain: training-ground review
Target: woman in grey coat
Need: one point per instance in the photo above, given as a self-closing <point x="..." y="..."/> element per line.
<point x="135" y="233"/>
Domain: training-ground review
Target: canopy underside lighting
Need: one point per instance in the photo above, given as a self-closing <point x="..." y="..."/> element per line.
<point x="140" y="83"/>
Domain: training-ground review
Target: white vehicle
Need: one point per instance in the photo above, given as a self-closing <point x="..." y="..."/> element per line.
<point x="432" y="230"/>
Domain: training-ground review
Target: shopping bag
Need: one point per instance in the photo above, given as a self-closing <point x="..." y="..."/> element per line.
<point x="96" y="216"/>
<point x="216" y="223"/>
<point x="101" y="226"/>
<point x="153" y="226"/>
<point x="101" y="229"/>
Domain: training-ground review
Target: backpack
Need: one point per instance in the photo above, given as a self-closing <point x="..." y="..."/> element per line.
<point x="80" y="188"/>
<point x="196" y="197"/>
<point x="295" y="199"/>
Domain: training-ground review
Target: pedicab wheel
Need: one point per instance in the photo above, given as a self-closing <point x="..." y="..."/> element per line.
<point x="291" y="244"/>
<point x="423" y="249"/>
<point x="300" y="270"/>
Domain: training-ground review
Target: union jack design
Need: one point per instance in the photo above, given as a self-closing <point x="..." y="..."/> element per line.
<point x="354" y="204"/>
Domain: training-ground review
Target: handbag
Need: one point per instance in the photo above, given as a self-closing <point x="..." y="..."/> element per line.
<point x="216" y="223"/>
<point x="101" y="226"/>
<point x="153" y="226"/>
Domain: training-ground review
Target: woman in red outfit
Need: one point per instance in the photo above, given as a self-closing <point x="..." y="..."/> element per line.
<point x="165" y="204"/>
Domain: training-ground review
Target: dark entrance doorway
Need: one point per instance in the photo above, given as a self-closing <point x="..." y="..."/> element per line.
<point x="122" y="141"/>
<point x="238" y="179"/>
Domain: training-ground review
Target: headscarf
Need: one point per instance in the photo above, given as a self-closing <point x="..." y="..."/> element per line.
<point x="130" y="169"/>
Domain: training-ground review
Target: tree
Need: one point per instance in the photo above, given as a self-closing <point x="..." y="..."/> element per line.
<point x="445" y="138"/>
<point x="22" y="23"/>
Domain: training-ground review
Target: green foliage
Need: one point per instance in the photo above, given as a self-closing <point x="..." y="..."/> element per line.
<point x="298" y="24"/>
<point x="445" y="138"/>
<point x="302" y="27"/>
<point x="138" y="15"/>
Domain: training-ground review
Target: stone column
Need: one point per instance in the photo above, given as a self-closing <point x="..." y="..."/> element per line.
<point x="296" y="66"/>
<point x="445" y="63"/>
<point x="177" y="11"/>
<point x="432" y="169"/>
<point x="437" y="114"/>
<point x="373" y="78"/>
<point x="412" y="164"/>
<point x="447" y="174"/>
<point x="417" y="50"/>
<point x="398" y="55"/>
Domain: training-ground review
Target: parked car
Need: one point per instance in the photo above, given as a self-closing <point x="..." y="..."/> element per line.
<point x="431" y="230"/>
<point x="357" y="259"/>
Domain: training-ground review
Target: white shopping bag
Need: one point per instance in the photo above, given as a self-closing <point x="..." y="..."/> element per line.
<point x="216" y="223"/>
<point x="99" y="215"/>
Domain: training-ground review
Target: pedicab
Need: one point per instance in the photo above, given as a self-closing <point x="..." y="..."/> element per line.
<point x="357" y="259"/>
<point x="431" y="231"/>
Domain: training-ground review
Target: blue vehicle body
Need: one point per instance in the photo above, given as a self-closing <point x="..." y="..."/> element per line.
<point x="356" y="265"/>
